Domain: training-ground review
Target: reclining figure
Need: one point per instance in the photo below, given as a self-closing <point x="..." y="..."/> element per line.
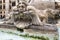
<point x="23" y="17"/>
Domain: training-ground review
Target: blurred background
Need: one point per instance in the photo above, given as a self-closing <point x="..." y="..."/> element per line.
<point x="6" y="5"/>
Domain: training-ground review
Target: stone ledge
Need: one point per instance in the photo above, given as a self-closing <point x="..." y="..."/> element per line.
<point x="8" y="26"/>
<point x="47" y="28"/>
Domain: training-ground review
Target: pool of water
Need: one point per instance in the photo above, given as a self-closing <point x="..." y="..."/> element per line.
<point x="5" y="34"/>
<point x="8" y="34"/>
<point x="59" y="32"/>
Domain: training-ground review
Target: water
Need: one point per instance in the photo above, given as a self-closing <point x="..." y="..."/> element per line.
<point x="7" y="36"/>
<point x="59" y="32"/>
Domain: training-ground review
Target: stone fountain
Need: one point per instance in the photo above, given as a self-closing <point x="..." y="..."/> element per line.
<point x="25" y="21"/>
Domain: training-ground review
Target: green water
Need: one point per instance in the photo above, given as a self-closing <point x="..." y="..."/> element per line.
<point x="7" y="34"/>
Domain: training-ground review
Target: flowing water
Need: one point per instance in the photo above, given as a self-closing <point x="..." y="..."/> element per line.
<point x="4" y="35"/>
<point x="8" y="34"/>
<point x="59" y="32"/>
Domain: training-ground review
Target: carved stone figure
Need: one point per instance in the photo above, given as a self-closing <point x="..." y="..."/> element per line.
<point x="44" y="15"/>
<point x="31" y="20"/>
<point x="23" y="17"/>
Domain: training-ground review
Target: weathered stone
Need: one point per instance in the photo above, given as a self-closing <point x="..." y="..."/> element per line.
<point x="47" y="27"/>
<point x="8" y="26"/>
<point x="43" y="4"/>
